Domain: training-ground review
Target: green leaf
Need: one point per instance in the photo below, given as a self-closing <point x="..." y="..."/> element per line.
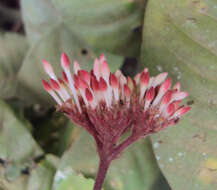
<point x="12" y="51"/>
<point x="69" y="180"/>
<point x="106" y="25"/>
<point x="180" y="37"/>
<point x="42" y="176"/>
<point x="39" y="17"/>
<point x="18" y="184"/>
<point x="54" y="133"/>
<point x="59" y="39"/>
<point x="16" y="143"/>
<point x="135" y="169"/>
<point x="17" y="149"/>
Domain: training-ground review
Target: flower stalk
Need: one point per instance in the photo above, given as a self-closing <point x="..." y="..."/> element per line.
<point x="105" y="161"/>
<point x="101" y="173"/>
<point x="108" y="105"/>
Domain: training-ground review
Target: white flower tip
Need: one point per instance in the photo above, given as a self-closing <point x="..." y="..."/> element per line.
<point x="182" y="111"/>
<point x="65" y="62"/>
<point x="105" y="70"/>
<point x="137" y="78"/>
<point x="102" y="57"/>
<point x="160" y="78"/>
<point x="179" y="95"/>
<point x="177" y="86"/>
<point x="96" y="68"/>
<point x="166" y="85"/>
<point x="145" y="70"/>
<point x="118" y="73"/>
<point x="47" y="67"/>
<point x="76" y="67"/>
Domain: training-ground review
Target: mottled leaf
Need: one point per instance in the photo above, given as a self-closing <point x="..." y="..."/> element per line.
<point x="69" y="180"/>
<point x="18" y="184"/>
<point x="12" y="51"/>
<point x="180" y="37"/>
<point x="42" y="176"/>
<point x="16" y="143"/>
<point x="112" y="26"/>
<point x="17" y="150"/>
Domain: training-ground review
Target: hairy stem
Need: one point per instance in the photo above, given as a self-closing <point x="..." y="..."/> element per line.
<point x="102" y="171"/>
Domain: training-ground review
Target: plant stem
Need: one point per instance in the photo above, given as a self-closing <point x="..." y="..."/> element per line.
<point x="103" y="168"/>
<point x="123" y="146"/>
<point x="105" y="161"/>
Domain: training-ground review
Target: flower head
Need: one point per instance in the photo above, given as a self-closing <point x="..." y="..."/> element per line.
<point x="108" y="104"/>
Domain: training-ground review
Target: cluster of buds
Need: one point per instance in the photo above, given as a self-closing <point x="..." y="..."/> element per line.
<point x="109" y="104"/>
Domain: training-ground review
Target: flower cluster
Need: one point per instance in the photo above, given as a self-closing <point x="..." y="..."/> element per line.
<point x="109" y="104"/>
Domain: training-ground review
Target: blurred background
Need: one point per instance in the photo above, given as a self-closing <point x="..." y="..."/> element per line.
<point x="11" y="19"/>
<point x="41" y="149"/>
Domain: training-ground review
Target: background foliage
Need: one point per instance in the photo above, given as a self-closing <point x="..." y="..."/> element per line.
<point x="41" y="149"/>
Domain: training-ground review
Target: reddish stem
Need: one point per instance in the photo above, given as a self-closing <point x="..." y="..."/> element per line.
<point x="123" y="146"/>
<point x="102" y="171"/>
<point x="106" y="160"/>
